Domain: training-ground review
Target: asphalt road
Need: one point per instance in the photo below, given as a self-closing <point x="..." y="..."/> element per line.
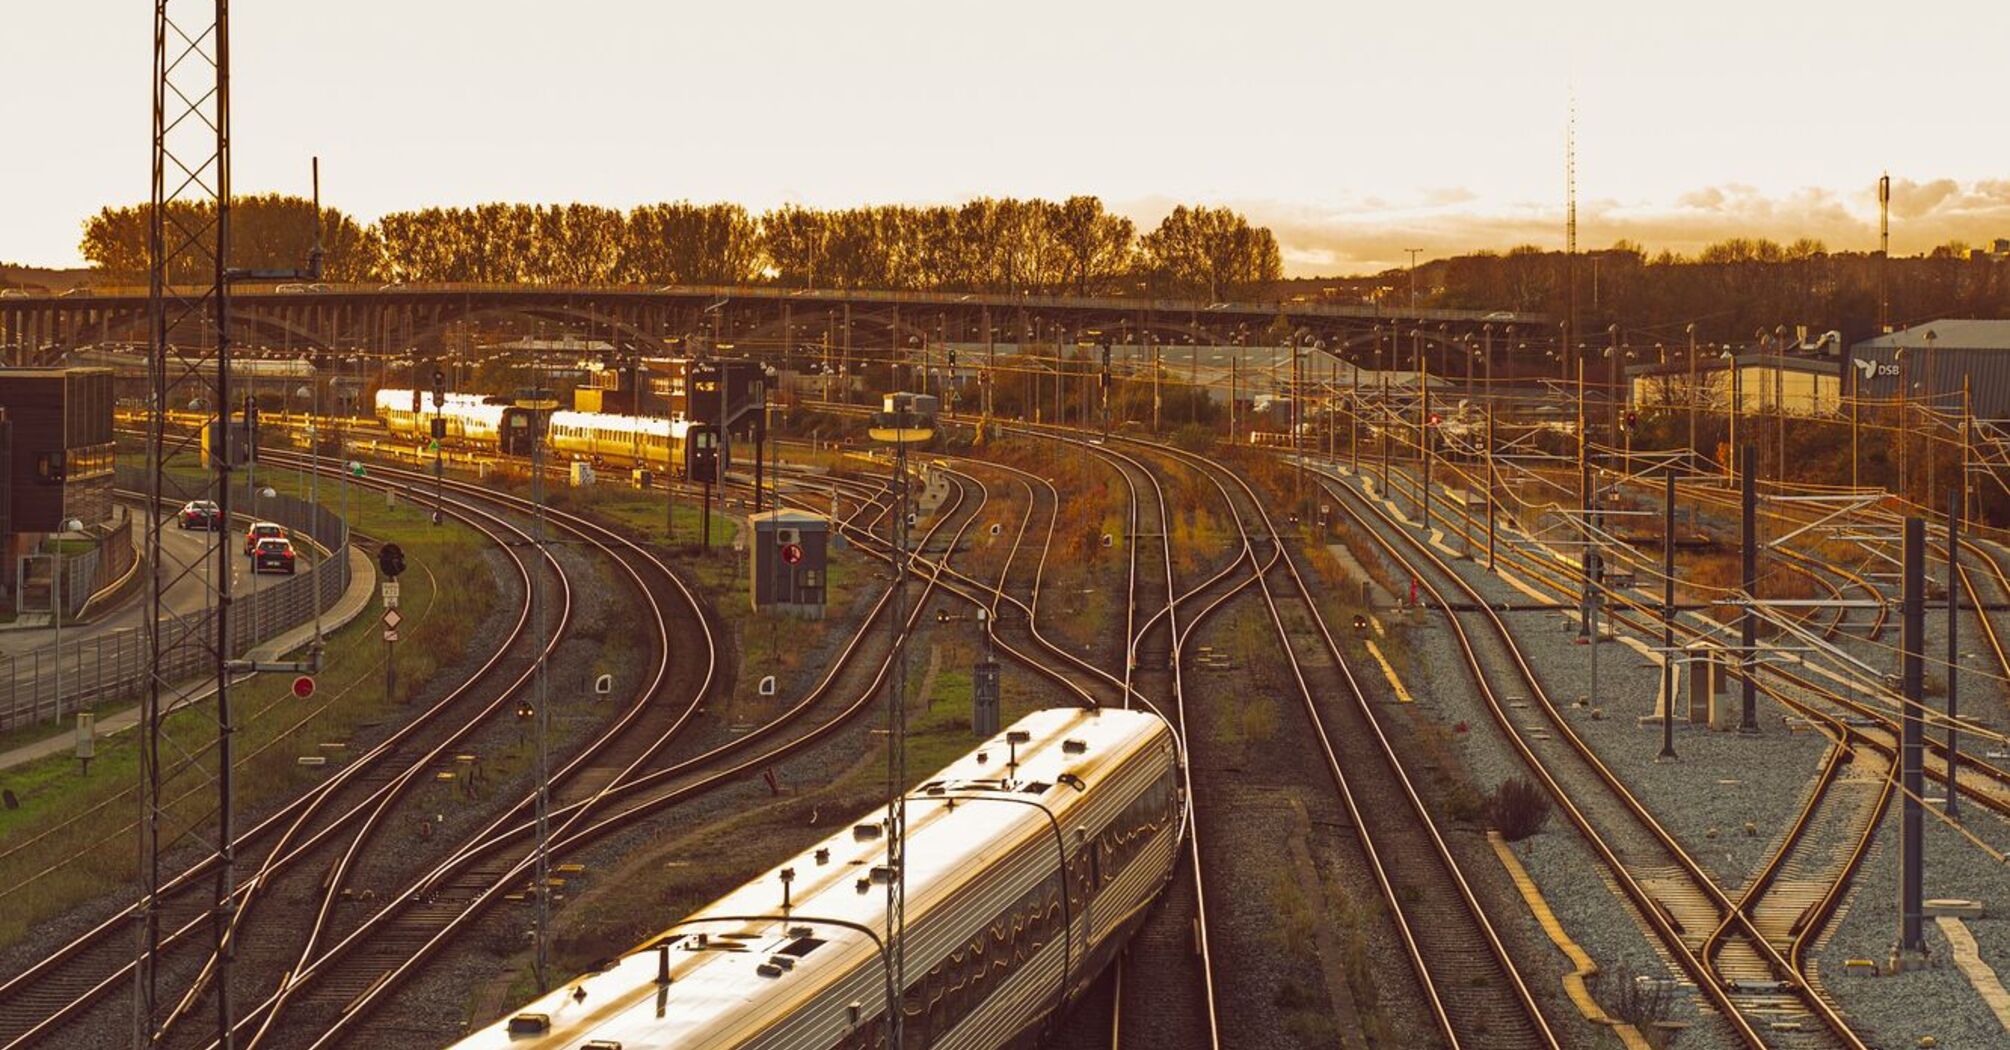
<point x="188" y="591"/>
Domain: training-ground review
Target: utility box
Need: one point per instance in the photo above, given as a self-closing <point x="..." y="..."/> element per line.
<point x="1700" y="670"/>
<point x="791" y="561"/>
<point x="984" y="700"/>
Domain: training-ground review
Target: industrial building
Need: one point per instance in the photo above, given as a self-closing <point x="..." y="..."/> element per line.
<point x="1761" y="383"/>
<point x="678" y="387"/>
<point x="1929" y="363"/>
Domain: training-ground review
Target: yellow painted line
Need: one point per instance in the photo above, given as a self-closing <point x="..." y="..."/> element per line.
<point x="1376" y="623"/>
<point x="1573" y="982"/>
<point x="1969" y="960"/>
<point x="1402" y="694"/>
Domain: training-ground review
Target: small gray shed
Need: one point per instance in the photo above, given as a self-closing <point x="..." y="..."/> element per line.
<point x="791" y="562"/>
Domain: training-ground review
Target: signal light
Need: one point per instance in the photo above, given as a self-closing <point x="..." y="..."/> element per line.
<point x="303" y="687"/>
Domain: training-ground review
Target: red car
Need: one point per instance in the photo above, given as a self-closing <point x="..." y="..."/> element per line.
<point x="260" y="531"/>
<point x="201" y="514"/>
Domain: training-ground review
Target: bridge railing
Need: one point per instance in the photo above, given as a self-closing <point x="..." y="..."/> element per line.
<point x="946" y="298"/>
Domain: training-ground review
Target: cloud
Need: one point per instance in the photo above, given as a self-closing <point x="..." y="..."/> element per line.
<point x="1449" y="195"/>
<point x="1910" y="200"/>
<point x="1350" y="237"/>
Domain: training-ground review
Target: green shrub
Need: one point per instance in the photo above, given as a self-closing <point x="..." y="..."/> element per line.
<point x="1518" y="809"/>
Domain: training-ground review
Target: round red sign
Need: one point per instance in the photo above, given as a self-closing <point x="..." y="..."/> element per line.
<point x="303" y="687"/>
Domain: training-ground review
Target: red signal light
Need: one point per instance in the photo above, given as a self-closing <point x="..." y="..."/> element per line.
<point x="303" y="687"/>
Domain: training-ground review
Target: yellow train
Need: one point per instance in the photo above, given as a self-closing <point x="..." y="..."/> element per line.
<point x="679" y="446"/>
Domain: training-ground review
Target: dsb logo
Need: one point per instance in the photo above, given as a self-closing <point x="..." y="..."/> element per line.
<point x="1873" y="369"/>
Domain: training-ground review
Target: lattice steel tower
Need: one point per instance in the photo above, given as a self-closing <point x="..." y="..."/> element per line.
<point x="189" y="309"/>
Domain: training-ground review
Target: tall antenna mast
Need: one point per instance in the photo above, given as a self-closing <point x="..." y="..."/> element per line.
<point x="1570" y="234"/>
<point x="1883" y="253"/>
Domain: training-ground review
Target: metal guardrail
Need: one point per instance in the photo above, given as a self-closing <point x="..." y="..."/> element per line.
<point x="113" y="666"/>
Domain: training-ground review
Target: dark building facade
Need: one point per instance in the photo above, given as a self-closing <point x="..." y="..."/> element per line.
<point x="56" y="444"/>
<point x="60" y="453"/>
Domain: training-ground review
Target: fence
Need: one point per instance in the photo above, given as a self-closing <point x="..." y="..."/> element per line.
<point x="114" y="665"/>
<point x="94" y="570"/>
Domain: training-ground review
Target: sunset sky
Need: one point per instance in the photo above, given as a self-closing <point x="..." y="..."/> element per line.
<point x="1354" y="130"/>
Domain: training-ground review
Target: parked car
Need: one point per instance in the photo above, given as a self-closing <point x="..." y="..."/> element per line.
<point x="262" y="530"/>
<point x="273" y="555"/>
<point x="201" y="514"/>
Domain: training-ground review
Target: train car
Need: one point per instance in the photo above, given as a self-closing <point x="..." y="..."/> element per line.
<point x="925" y="406"/>
<point x="1030" y="861"/>
<point x="470" y="419"/>
<point x="905" y="418"/>
<point x="685" y="448"/>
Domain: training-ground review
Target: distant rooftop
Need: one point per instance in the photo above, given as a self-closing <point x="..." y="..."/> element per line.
<point x="1948" y="333"/>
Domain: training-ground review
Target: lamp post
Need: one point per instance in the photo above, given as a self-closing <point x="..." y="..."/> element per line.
<point x="313" y="392"/>
<point x="1929" y="390"/>
<point x="899" y="428"/>
<point x="1690" y="331"/>
<point x="56" y="589"/>
<point x="1730" y="358"/>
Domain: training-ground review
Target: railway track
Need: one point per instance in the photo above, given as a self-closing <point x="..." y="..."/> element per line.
<point x="1865" y="702"/>
<point x="472" y="877"/>
<point x="1472" y="988"/>
<point x="574" y="827"/>
<point x="1473" y="991"/>
<point x="1693" y="917"/>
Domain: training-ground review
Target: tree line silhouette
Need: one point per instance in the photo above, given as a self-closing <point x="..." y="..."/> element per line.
<point x="1001" y="245"/>
<point x="1730" y="291"/>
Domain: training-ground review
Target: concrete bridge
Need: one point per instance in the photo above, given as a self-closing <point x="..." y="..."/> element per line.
<point x="293" y="319"/>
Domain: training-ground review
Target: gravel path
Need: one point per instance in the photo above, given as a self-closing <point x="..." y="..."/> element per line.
<point x="1938" y="1001"/>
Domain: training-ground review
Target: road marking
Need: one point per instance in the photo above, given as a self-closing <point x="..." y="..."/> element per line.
<point x="1969" y="961"/>
<point x="1573" y="982"/>
<point x="1402" y="694"/>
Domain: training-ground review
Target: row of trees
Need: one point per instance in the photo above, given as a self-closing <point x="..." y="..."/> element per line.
<point x="1729" y="290"/>
<point x="986" y="245"/>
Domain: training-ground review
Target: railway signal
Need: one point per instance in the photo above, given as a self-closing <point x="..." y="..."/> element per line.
<point x="391" y="560"/>
<point x="439" y="388"/>
<point x="303" y="687"/>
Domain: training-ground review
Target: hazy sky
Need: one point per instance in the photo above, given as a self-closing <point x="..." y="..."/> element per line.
<point x="1353" y="129"/>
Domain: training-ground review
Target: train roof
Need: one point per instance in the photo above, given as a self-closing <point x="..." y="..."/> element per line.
<point x="459" y="406"/>
<point x="756" y="967"/>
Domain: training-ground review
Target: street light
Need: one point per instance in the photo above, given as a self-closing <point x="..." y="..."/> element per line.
<point x="56" y="585"/>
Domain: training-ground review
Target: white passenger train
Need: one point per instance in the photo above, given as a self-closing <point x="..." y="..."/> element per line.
<point x="1030" y="861"/>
